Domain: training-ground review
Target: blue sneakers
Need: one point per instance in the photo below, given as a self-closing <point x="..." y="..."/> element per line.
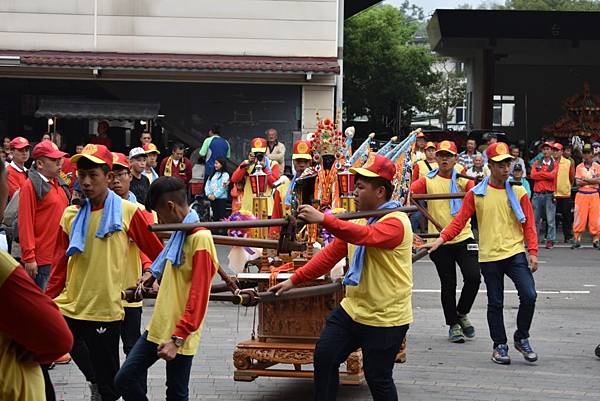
<point x="524" y="348"/>
<point x="455" y="334"/>
<point x="500" y="354"/>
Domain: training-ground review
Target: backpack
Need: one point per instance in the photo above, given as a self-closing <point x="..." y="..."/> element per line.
<point x="11" y="216"/>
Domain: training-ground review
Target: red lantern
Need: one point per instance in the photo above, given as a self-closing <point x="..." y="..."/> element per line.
<point x="258" y="181"/>
<point x="346" y="183"/>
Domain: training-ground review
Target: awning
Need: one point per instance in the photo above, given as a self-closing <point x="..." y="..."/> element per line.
<point x="96" y="109"/>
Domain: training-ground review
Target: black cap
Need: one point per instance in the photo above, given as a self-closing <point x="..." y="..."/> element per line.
<point x="518" y="167"/>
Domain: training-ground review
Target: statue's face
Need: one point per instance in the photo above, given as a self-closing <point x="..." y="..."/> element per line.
<point x="328" y="161"/>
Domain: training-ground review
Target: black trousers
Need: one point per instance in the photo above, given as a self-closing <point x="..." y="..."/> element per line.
<point x="564" y="206"/>
<point x="445" y="259"/>
<point x="102" y="341"/>
<point x="219" y="209"/>
<point x="342" y="336"/>
<point x="49" y="388"/>
<point x="130" y="328"/>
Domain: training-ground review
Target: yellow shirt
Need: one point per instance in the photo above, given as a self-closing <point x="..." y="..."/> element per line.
<point x="440" y="209"/>
<point x="563" y="184"/>
<point x="102" y="262"/>
<point x="18" y="381"/>
<point x="133" y="264"/>
<point x="383" y="296"/>
<point x="500" y="233"/>
<point x="423" y="169"/>
<point x="173" y="294"/>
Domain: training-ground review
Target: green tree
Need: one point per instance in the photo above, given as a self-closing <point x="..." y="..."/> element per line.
<point x="553" y="5"/>
<point x="385" y="73"/>
<point x="447" y="92"/>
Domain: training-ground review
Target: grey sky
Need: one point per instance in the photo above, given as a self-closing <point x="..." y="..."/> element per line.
<point x="429" y="6"/>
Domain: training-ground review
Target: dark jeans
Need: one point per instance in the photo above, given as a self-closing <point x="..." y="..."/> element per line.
<point x="446" y="258"/>
<point x="342" y="336"/>
<point x="102" y="341"/>
<point x="132" y="377"/>
<point x="43" y="276"/>
<point x="517" y="269"/>
<point x="130" y="328"/>
<point x="564" y="206"/>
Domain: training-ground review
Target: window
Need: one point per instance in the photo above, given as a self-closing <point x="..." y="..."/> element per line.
<point x="460" y="113"/>
<point x="504" y="110"/>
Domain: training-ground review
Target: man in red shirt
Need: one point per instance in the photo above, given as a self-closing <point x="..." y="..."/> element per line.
<point x="544" y="173"/>
<point x="42" y="201"/>
<point x="177" y="165"/>
<point x="17" y="173"/>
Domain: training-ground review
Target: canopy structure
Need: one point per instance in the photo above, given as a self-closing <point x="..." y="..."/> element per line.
<point x="97" y="109"/>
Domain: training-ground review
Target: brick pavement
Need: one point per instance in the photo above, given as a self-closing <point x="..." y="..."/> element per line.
<point x="565" y="331"/>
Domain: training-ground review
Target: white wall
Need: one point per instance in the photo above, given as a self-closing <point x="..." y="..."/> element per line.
<point x="316" y="99"/>
<point x="232" y="27"/>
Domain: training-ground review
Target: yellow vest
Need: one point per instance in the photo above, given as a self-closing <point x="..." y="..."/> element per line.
<point x="249" y="195"/>
<point x="500" y="233"/>
<point x="95" y="277"/>
<point x="18" y="381"/>
<point x="563" y="184"/>
<point x="383" y="296"/>
<point x="440" y="209"/>
<point x="173" y="294"/>
<point x="423" y="169"/>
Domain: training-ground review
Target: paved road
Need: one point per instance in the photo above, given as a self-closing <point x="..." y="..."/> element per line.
<point x="565" y="331"/>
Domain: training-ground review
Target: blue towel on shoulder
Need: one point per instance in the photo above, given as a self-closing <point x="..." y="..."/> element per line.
<point x="112" y="221"/>
<point x="481" y="189"/>
<point x="173" y="251"/>
<point x="358" y="259"/>
<point x="455" y="204"/>
<point x="131" y="197"/>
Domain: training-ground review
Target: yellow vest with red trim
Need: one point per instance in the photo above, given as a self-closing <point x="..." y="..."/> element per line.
<point x="18" y="381"/>
<point x="383" y="296"/>
<point x="249" y="195"/>
<point x="500" y="233"/>
<point x="440" y="209"/>
<point x="563" y="184"/>
<point x="173" y="295"/>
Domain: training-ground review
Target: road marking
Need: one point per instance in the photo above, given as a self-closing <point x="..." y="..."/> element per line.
<point x="434" y="291"/>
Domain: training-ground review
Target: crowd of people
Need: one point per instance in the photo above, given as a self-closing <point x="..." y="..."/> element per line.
<point x="78" y="226"/>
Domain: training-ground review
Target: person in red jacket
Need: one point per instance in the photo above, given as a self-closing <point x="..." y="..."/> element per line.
<point x="17" y="173"/>
<point x="42" y="201"/>
<point x="26" y="314"/>
<point x="177" y="165"/>
<point x="544" y="173"/>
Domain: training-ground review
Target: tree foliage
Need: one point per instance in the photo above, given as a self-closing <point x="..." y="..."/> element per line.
<point x="384" y="71"/>
<point x="447" y="92"/>
<point x="540" y="5"/>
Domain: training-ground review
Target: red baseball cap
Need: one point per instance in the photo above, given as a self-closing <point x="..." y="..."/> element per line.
<point x="376" y="166"/>
<point x="47" y="149"/>
<point x="301" y="150"/>
<point x="550" y="145"/>
<point x="498" y="151"/>
<point x="558" y="146"/>
<point x="19" y="143"/>
<point x="259" y="145"/>
<point x="150" y="148"/>
<point x="420" y="135"/>
<point x="446" y="146"/>
<point x="98" y="154"/>
<point x="119" y="159"/>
